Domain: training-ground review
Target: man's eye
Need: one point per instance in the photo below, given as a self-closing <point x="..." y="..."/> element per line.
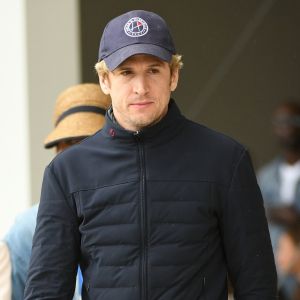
<point x="126" y="73"/>
<point x="154" y="71"/>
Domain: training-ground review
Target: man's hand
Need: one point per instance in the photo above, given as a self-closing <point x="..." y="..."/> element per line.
<point x="284" y="215"/>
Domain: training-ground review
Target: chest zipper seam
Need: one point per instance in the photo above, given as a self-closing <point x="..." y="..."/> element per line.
<point x="143" y="214"/>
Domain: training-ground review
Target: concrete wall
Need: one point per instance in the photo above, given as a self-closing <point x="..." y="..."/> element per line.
<point x="39" y="57"/>
<point x="53" y="65"/>
<point x="14" y="150"/>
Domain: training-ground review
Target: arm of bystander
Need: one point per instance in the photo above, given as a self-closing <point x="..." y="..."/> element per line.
<point x="5" y="272"/>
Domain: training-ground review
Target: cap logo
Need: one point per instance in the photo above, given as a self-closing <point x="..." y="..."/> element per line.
<point x="136" y="27"/>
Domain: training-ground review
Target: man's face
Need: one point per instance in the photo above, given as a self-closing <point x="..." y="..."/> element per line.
<point x="140" y="89"/>
<point x="285" y="128"/>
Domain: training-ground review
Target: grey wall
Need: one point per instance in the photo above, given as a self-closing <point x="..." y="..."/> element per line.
<point x="52" y="38"/>
<point x="241" y="58"/>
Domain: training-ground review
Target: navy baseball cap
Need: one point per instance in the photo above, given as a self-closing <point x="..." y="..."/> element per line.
<point x="135" y="32"/>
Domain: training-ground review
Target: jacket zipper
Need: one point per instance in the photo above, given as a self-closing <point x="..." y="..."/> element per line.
<point x="203" y="288"/>
<point x="144" y="227"/>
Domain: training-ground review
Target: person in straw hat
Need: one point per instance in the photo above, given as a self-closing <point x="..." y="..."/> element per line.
<point x="79" y="113"/>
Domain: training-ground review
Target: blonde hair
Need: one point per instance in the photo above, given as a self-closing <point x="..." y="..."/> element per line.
<point x="175" y="63"/>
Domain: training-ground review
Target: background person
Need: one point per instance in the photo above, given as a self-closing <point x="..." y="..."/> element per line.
<point x="279" y="180"/>
<point x="79" y="112"/>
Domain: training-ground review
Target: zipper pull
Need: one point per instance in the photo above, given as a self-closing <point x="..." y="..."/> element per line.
<point x="137" y="135"/>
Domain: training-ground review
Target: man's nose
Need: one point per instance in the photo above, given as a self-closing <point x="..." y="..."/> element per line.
<point x="141" y="85"/>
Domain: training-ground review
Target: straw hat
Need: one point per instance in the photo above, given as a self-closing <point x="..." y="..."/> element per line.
<point x="79" y="112"/>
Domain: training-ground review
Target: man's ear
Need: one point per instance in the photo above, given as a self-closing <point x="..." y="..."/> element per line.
<point x="104" y="83"/>
<point x="174" y="79"/>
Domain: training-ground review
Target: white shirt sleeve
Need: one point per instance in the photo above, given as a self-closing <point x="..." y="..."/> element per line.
<point x="289" y="179"/>
<point x="5" y="272"/>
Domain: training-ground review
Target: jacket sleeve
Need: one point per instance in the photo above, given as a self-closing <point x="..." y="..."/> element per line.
<point x="55" y="248"/>
<point x="246" y="236"/>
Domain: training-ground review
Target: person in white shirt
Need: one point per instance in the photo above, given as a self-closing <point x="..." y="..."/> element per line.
<point x="280" y="179"/>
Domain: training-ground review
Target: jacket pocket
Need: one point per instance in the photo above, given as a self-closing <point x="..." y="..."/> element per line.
<point x="86" y="286"/>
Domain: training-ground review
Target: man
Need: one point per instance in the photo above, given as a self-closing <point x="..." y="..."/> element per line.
<point x="279" y="180"/>
<point x="79" y="112"/>
<point x="153" y="206"/>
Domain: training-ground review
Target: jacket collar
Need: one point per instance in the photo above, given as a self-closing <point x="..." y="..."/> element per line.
<point x="166" y="126"/>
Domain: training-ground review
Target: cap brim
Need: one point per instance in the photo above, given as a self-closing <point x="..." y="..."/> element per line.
<point x="116" y="58"/>
<point x="79" y="125"/>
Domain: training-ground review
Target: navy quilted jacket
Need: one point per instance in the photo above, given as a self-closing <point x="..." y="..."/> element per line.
<point x="163" y="214"/>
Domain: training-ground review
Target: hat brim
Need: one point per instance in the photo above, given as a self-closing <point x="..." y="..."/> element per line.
<point x="119" y="56"/>
<point x="79" y="125"/>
